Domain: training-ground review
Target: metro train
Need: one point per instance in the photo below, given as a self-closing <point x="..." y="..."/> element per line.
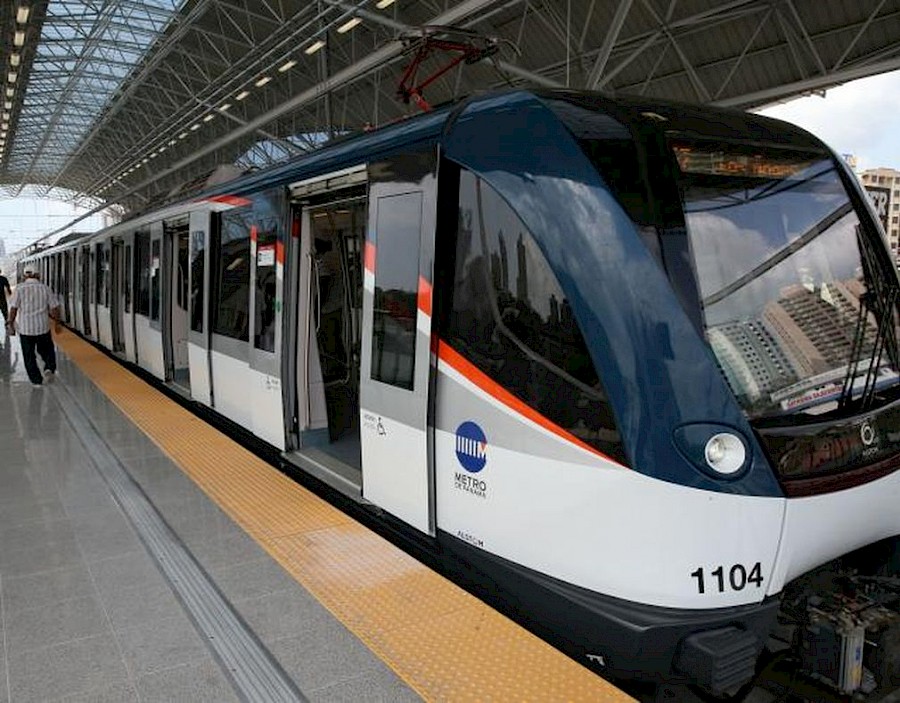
<point x="637" y="361"/>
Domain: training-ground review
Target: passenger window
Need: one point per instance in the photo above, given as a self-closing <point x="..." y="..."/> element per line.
<point x="232" y="317"/>
<point x="510" y="318"/>
<point x="155" y="276"/>
<point x="396" y="289"/>
<point x="198" y="267"/>
<point x="142" y="252"/>
<point x="267" y="218"/>
<point x="127" y="279"/>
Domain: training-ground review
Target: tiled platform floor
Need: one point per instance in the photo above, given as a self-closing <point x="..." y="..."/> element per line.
<point x="85" y="613"/>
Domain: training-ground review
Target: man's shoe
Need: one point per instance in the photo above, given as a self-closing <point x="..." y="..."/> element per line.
<point x="49" y="376"/>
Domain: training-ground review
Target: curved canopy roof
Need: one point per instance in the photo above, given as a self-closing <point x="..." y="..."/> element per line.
<point x="126" y="101"/>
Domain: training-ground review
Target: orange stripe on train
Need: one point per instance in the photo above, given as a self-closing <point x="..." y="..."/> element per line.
<point x="455" y="360"/>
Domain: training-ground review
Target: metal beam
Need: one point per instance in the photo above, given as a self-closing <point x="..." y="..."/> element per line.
<point x="348" y="75"/>
<point x="609" y="41"/>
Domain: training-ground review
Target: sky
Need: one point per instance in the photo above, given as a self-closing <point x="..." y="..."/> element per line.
<point x="860" y="118"/>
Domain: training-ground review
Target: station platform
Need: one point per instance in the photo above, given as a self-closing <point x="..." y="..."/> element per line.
<point x="146" y="556"/>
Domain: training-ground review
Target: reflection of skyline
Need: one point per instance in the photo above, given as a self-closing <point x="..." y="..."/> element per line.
<point x="808" y="331"/>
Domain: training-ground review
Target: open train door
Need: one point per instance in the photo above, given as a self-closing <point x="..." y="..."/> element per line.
<point x="397" y="462"/>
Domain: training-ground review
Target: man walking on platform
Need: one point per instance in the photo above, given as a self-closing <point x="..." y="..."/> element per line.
<point x="4" y="291"/>
<point x="30" y="309"/>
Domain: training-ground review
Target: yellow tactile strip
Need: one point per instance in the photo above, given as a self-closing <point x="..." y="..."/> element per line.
<point x="443" y="642"/>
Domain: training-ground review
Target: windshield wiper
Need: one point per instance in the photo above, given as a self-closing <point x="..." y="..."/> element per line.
<point x="880" y="299"/>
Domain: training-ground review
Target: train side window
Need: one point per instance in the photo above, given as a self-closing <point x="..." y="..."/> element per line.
<point x="396" y="289"/>
<point x="198" y="267"/>
<point x="142" y="251"/>
<point x="232" y="318"/>
<point x="127" y="279"/>
<point x="155" y="276"/>
<point x="510" y="318"/>
<point x="266" y="240"/>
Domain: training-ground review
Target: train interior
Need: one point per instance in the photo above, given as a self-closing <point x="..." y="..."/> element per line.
<point x="329" y="327"/>
<point x="176" y="328"/>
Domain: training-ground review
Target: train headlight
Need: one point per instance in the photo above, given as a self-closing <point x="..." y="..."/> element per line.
<point x="725" y="453"/>
<point x="719" y="451"/>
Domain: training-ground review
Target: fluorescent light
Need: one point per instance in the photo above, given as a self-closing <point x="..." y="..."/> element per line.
<point x="208" y="117"/>
<point x="262" y="81"/>
<point x="182" y="135"/>
<point x="19" y="38"/>
<point x="349" y="24"/>
<point x="195" y="126"/>
<point x="12" y="76"/>
<point x="287" y="66"/>
<point x="314" y="47"/>
<point x="14" y="58"/>
<point x="7" y="105"/>
<point x="5" y="116"/>
<point x="381" y="4"/>
<point x="243" y="94"/>
<point x="10" y="91"/>
<point x="223" y="108"/>
<point x="171" y="142"/>
<point x="22" y="14"/>
<point x="4" y="126"/>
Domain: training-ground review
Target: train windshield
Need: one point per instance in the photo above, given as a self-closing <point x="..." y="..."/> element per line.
<point x="799" y="306"/>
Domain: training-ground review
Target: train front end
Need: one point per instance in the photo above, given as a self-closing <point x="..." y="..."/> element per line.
<point x="741" y="312"/>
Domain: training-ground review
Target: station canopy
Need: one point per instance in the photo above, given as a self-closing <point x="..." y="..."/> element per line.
<point x="130" y="103"/>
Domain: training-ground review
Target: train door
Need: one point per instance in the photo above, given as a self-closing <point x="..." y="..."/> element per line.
<point x="175" y="303"/>
<point x="329" y="215"/>
<point x="198" y="281"/>
<point x="397" y="462"/>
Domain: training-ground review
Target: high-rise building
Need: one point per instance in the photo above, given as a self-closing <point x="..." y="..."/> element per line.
<point x="884" y="183"/>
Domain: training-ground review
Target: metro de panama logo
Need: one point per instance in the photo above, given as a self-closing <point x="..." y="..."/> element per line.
<point x="471" y="447"/>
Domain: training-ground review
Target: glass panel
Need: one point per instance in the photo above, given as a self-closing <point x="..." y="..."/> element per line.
<point x="795" y="297"/>
<point x="511" y="319"/>
<point x="268" y="215"/>
<point x="155" y="278"/>
<point x="198" y="266"/>
<point x="142" y="251"/>
<point x="126" y="284"/>
<point x="396" y="289"/>
<point x="232" y="317"/>
<point x="266" y="241"/>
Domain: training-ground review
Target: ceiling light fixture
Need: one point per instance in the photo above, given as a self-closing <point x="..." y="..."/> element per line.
<point x="10" y="91"/>
<point x="262" y="81"/>
<point x="7" y="105"/>
<point x="243" y="94"/>
<point x="195" y="126"/>
<point x="381" y="4"/>
<point x="287" y="66"/>
<point x="223" y="108"/>
<point x="314" y="47"/>
<point x="12" y="76"/>
<point x="349" y="24"/>
<point x="22" y="14"/>
<point x="208" y="117"/>
<point x="19" y="38"/>
<point x="14" y="58"/>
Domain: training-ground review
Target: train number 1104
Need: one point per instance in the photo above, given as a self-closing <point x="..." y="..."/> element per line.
<point x="735" y="579"/>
